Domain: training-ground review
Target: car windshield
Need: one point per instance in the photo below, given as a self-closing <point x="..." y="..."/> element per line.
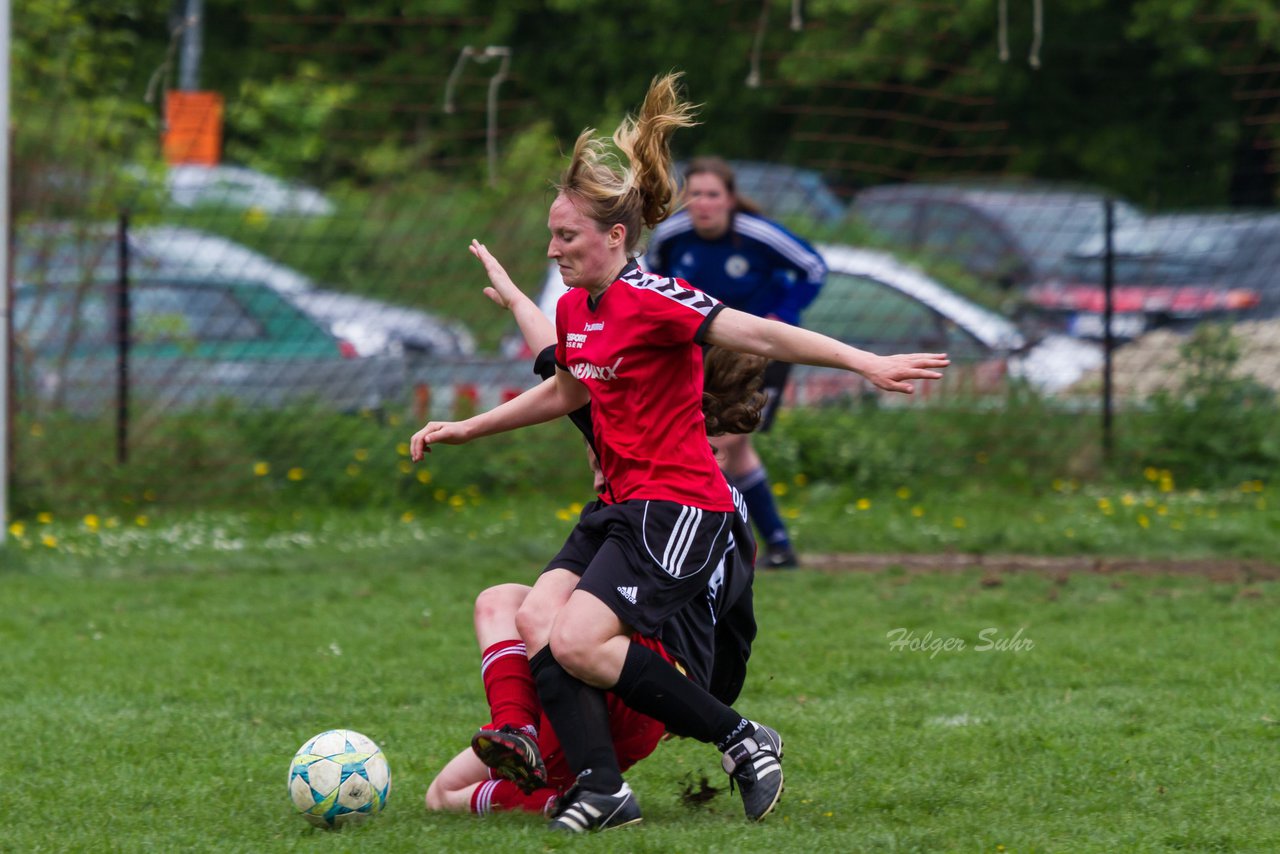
<point x="864" y="312"/>
<point x="50" y="320"/>
<point x="1050" y="228"/>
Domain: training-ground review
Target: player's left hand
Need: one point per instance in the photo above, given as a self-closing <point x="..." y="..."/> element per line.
<point x="890" y="373"/>
<point x="436" y="433"/>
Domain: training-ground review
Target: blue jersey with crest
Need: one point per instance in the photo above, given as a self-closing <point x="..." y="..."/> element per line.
<point x="757" y="266"/>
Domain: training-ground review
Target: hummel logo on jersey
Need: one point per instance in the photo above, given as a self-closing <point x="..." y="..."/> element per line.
<point x="594" y="327"/>
<point x="628" y="593"/>
<point x="588" y="371"/>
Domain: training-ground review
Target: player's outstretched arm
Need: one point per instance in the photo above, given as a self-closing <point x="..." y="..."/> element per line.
<point x="546" y="401"/>
<point x="537" y="330"/>
<point x="746" y="333"/>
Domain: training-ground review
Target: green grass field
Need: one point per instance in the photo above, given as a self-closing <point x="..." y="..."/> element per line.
<point x="154" y="693"/>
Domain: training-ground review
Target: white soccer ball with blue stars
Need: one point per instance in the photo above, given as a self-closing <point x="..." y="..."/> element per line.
<point x="339" y="777"/>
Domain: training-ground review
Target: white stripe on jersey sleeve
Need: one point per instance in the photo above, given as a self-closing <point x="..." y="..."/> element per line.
<point x="671" y="289"/>
<point x="784" y="244"/>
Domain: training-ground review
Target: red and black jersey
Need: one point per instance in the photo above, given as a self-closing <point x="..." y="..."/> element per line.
<point x="638" y="350"/>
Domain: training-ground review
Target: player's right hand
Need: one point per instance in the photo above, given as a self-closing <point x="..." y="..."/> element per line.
<point x="502" y="290"/>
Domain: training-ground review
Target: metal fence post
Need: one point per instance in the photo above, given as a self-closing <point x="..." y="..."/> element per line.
<point x="1108" y="338"/>
<point x="122" y="340"/>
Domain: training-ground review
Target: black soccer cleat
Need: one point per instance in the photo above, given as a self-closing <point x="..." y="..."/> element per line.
<point x="513" y="754"/>
<point x="580" y="811"/>
<point x="755" y="765"/>
<point x="780" y="556"/>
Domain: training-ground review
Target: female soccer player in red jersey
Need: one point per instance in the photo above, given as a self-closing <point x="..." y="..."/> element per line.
<point x="630" y="344"/>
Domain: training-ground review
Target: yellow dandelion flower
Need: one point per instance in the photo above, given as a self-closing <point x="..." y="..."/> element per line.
<point x="111" y="522"/>
<point x="563" y="514"/>
<point x="92" y="522"/>
<point x="1261" y="504"/>
<point x="424" y="476"/>
<point x="1059" y="484"/>
<point x="917" y="511"/>
<point x="1151" y="473"/>
<point x="1166" y="482"/>
<point x="575" y="508"/>
<point x="18" y="530"/>
<point x="394" y="420"/>
<point x="141" y="521"/>
<point x="1162" y="510"/>
<point x="255" y="216"/>
<point x="1104" y="504"/>
<point x="44" y="518"/>
<point x="801" y="479"/>
<point x="1128" y="500"/>
<point x="37" y="430"/>
<point x="261" y="469"/>
<point x="405" y="466"/>
<point x="296" y="474"/>
<point x="863" y="504"/>
<point x="779" y="489"/>
<point x="49" y="541"/>
<point x="352" y="470"/>
<point x="903" y="492"/>
<point x="402" y="449"/>
<point x="1176" y="525"/>
<point x="440" y="495"/>
<point x="406" y="516"/>
<point x="959" y="522"/>
<point x="1143" y="521"/>
<point x="361" y="454"/>
<point x="457" y="502"/>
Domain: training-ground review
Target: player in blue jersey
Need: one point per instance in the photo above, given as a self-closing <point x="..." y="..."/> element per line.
<point x="722" y="244"/>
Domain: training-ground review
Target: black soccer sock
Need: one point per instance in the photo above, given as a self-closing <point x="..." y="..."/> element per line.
<point x="650" y="685"/>
<point x="578" y="714"/>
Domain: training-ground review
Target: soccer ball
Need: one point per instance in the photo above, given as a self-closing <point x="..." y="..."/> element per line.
<point x="339" y="777"/>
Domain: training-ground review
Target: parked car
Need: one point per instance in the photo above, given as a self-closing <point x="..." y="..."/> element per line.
<point x="1011" y="234"/>
<point x="191" y="343"/>
<point x="785" y="191"/>
<point x="193" y="185"/>
<point x="66" y="252"/>
<point x="877" y="302"/>
<point x="1174" y="270"/>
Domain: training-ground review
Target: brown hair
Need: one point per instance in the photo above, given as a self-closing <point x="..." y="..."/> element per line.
<point x="731" y="398"/>
<point x="639" y="193"/>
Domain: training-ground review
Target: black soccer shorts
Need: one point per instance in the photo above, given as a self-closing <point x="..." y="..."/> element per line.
<point x="645" y="559"/>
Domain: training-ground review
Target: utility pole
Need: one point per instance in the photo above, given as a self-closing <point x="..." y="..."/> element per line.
<point x="192" y="44"/>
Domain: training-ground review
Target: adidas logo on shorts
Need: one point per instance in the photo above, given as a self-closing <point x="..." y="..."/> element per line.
<point x="628" y="593"/>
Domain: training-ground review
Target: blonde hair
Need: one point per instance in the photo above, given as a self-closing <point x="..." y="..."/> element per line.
<point x="640" y="191"/>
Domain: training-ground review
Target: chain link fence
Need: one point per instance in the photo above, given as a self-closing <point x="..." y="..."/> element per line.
<point x="190" y="325"/>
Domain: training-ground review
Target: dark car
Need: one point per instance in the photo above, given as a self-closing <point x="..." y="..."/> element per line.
<point x="788" y="192"/>
<point x="1174" y="270"/>
<point x="1010" y="234"/>
<point x="190" y="343"/>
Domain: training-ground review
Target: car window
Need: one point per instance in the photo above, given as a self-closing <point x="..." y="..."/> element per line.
<point x="48" y="319"/>
<point x="892" y="220"/>
<point x="959" y="234"/>
<point x="869" y="315"/>
<point x="166" y="313"/>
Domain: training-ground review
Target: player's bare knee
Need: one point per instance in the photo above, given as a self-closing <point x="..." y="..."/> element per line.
<point x="499" y="604"/>
<point x="436" y="799"/>
<point x="534" y="625"/>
